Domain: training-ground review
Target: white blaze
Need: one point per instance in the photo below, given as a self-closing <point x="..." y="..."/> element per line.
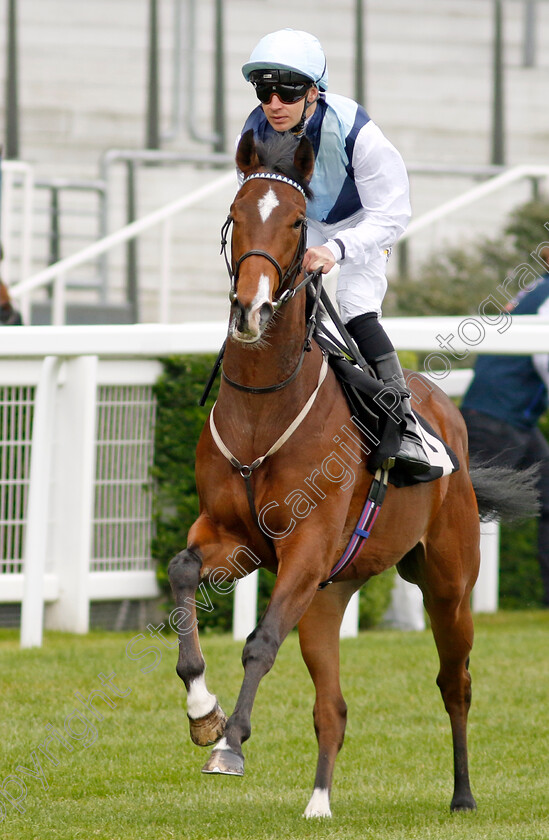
<point x="262" y="294"/>
<point x="267" y="204"/>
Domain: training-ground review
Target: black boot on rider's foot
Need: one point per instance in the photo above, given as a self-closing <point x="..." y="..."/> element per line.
<point x="411" y="454"/>
<point x="376" y="347"/>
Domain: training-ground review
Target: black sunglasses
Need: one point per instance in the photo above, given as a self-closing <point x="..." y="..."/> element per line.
<point x="286" y="92"/>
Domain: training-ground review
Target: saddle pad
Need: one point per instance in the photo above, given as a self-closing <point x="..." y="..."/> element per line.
<point x="443" y="459"/>
<point x="359" y="389"/>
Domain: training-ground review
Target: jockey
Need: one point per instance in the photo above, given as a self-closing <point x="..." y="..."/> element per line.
<point x="361" y="196"/>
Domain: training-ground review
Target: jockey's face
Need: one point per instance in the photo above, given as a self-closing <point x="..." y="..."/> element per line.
<point x="283" y="116"/>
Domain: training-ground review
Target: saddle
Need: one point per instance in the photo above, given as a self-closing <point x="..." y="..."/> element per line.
<point x="365" y="397"/>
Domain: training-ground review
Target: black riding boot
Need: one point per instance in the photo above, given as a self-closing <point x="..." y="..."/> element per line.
<point x="411" y="454"/>
<point x="376" y="347"/>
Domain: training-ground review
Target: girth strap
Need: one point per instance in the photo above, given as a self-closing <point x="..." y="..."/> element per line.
<point x="364" y="525"/>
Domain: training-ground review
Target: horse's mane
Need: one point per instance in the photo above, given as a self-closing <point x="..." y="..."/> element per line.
<point x="277" y="155"/>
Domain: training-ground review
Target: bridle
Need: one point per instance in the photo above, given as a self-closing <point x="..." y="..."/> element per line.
<point x="295" y="266"/>
<point x="285" y="279"/>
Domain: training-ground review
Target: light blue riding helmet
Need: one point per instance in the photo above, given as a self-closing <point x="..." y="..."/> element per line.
<point x="290" y="49"/>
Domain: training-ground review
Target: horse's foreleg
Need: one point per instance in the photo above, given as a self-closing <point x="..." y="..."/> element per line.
<point x="291" y="596"/>
<point x="319" y="640"/>
<point x="206" y="718"/>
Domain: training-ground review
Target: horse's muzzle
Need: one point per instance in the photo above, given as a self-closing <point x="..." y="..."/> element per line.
<point x="248" y="323"/>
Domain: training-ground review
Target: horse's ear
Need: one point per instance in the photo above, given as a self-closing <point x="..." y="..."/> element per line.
<point x="304" y="158"/>
<point x="247" y="158"/>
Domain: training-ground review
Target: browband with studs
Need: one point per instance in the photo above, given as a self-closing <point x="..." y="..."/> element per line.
<point x="271" y="176"/>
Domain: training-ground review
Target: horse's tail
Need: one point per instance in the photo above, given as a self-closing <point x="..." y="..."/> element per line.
<point x="504" y="493"/>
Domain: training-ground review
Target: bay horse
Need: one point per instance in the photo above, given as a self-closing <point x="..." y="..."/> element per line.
<point x="270" y="434"/>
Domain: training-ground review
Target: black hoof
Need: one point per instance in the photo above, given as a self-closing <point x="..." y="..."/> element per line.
<point x="463" y="803"/>
<point x="224" y="761"/>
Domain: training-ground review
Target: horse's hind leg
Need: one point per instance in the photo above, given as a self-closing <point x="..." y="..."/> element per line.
<point x="206" y="718"/>
<point x="446" y="576"/>
<point x="319" y="640"/>
<point x="454" y="638"/>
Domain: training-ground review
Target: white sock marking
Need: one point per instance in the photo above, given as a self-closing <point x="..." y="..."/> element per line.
<point x="319" y="804"/>
<point x="199" y="700"/>
<point x="267" y="204"/>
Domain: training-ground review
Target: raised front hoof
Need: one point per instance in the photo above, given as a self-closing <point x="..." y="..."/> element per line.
<point x="463" y="803"/>
<point x="207" y="730"/>
<point x="226" y="762"/>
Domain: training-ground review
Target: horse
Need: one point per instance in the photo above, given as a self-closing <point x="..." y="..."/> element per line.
<point x="272" y="432"/>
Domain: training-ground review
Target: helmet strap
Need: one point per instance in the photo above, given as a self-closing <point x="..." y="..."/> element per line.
<point x="297" y="130"/>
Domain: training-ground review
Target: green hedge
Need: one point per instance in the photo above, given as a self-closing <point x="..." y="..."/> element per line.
<point x="178" y="425"/>
<point x="520" y="584"/>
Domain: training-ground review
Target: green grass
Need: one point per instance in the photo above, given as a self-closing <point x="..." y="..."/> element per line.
<point x="141" y="777"/>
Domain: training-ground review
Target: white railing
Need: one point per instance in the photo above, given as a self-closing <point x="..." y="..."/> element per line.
<point x="55" y="275"/>
<point x="466" y="199"/>
<point x="51" y="490"/>
<point x="75" y="511"/>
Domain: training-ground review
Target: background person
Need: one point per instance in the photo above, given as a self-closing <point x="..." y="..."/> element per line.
<point x="361" y="195"/>
<point x="502" y="407"/>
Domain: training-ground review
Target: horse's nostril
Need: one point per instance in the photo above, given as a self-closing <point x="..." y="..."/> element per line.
<point x="240" y="315"/>
<point x="265" y="313"/>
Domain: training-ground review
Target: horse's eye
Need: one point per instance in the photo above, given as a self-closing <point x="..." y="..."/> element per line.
<point x="298" y="223"/>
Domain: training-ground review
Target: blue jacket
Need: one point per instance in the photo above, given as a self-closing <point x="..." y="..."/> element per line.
<point x="510" y="387"/>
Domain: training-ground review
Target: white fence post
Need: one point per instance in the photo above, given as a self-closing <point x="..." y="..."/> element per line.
<point x="405" y="611"/>
<point x="74" y="494"/>
<point x="245" y="606"/>
<point x="38" y="508"/>
<point x="349" y="625"/>
<point x="486" y="591"/>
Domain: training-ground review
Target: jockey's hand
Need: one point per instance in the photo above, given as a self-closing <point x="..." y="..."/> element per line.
<point x="319" y="257"/>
